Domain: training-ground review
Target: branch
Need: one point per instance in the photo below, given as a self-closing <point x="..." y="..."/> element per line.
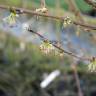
<point x="73" y="8"/>
<point x="61" y="49"/>
<point x="77" y="79"/>
<point x="92" y="3"/>
<point x="49" y="16"/>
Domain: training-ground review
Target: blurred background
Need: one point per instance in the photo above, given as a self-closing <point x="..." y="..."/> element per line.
<point x="23" y="66"/>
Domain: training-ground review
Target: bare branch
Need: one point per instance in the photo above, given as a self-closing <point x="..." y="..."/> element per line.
<point x="49" y="16"/>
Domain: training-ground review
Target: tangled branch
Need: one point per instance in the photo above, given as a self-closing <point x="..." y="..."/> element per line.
<point x="48" y="16"/>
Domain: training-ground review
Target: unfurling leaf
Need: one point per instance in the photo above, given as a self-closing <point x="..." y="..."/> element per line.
<point x="92" y="65"/>
<point x="11" y="19"/>
<point x="42" y="10"/>
<point x="46" y="47"/>
<point x="67" y="21"/>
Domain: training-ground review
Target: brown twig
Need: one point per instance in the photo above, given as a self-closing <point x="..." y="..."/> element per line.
<point x="61" y="49"/>
<point x="49" y="16"/>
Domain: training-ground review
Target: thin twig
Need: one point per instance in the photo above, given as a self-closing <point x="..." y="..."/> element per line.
<point x="61" y="49"/>
<point x="48" y="16"/>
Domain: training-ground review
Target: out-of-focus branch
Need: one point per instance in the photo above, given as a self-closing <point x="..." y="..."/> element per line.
<point x="73" y="8"/>
<point x="77" y="79"/>
<point x="92" y="3"/>
<point x="49" y="16"/>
